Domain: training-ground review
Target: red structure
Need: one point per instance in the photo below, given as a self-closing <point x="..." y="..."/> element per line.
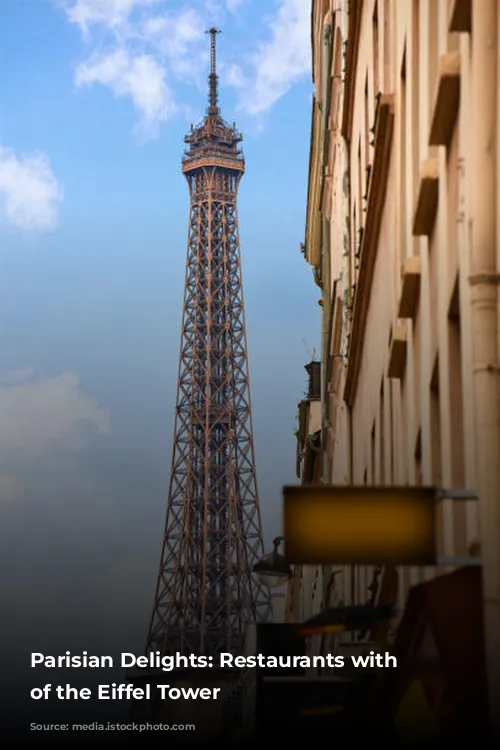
<point x="206" y="592"/>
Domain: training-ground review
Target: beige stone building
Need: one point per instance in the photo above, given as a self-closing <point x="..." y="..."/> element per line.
<point x="403" y="218"/>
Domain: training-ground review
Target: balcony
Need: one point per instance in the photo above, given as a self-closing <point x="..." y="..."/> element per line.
<point x="308" y="431"/>
<point x="313" y="370"/>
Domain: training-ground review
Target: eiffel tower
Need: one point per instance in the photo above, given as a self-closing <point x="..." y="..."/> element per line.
<point x="206" y="593"/>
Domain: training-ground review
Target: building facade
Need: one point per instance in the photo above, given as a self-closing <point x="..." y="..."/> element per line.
<point x="299" y="607"/>
<point x="403" y="216"/>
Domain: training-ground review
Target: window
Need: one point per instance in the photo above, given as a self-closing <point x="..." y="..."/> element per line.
<point x="402" y="160"/>
<point x="376" y="43"/>
<point x="387" y="43"/>
<point x="415" y="111"/>
<point x="373" y="455"/>
<point x="381" y="429"/>
<point x="367" y="132"/>
<point x="455" y="391"/>
<point x="391" y="442"/>
<point x="432" y="52"/>
<point x="418" y="459"/>
<point x="435" y="427"/>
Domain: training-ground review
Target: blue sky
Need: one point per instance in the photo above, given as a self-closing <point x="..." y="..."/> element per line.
<point x="95" y="98"/>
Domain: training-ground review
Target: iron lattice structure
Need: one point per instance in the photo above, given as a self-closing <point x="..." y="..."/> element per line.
<point x="206" y="591"/>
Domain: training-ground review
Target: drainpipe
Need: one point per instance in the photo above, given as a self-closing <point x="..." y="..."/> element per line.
<point x="326" y="56"/>
<point x="485" y="313"/>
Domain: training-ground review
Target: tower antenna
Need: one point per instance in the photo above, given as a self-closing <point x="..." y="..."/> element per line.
<point x="213" y="79"/>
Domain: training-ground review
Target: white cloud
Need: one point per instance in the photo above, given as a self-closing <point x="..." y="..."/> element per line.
<point x="141" y="78"/>
<point x="233" y="5"/>
<point x="141" y="49"/>
<point x="37" y="415"/>
<point x="137" y="52"/>
<point x="282" y="61"/>
<point x="232" y="75"/>
<point x="178" y="39"/>
<point x="173" y="33"/>
<point x="110" y="13"/>
<point x="30" y="194"/>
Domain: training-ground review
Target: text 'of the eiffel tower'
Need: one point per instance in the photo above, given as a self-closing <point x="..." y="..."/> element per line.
<point x="206" y="592"/>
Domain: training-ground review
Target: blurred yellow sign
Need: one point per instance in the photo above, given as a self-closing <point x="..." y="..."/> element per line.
<point x="347" y="525"/>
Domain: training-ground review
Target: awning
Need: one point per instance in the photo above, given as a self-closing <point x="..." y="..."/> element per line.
<point x="340" y="619"/>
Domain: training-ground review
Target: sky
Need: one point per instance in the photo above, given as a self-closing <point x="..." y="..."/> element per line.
<point x="95" y="99"/>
